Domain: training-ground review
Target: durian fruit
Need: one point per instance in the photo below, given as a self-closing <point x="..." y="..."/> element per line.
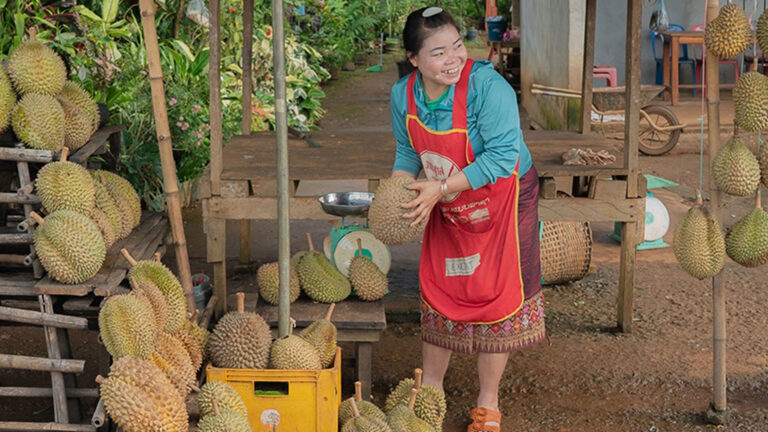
<point x="698" y="243"/>
<point x="430" y="402"/>
<point x="192" y="346"/>
<point x="73" y="93"/>
<point x="320" y="279"/>
<point x="7" y="100"/>
<point x="69" y="245"/>
<point x="369" y="282"/>
<point x="240" y="339"/>
<point x="223" y="420"/>
<point x="385" y="215"/>
<point x="402" y="418"/>
<point x="65" y="185"/>
<point x="172" y="358"/>
<point x="104" y="202"/>
<point x="750" y="102"/>
<point x="762" y="31"/>
<point x="35" y="68"/>
<point x="226" y="396"/>
<point x="126" y="327"/>
<point x="295" y="353"/>
<point x="747" y="240"/>
<point x="102" y="222"/>
<point x="763" y="161"/>
<point x="296" y="258"/>
<point x="155" y="273"/>
<point x="151" y="295"/>
<point x="366" y="409"/>
<point x="38" y="121"/>
<point x="200" y="334"/>
<point x="269" y="282"/>
<point x="121" y="191"/>
<point x="735" y="169"/>
<point x="359" y="423"/>
<point x="77" y="125"/>
<point x="729" y="33"/>
<point x="322" y="335"/>
<point x="140" y="398"/>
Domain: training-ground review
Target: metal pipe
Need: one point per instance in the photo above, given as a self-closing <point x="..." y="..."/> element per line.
<point x="281" y="132"/>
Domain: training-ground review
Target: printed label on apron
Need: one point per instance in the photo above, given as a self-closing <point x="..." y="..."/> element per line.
<point x="439" y="167"/>
<point x="463" y="266"/>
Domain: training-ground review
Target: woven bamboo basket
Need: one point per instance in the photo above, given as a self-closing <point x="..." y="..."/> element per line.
<point x="566" y="251"/>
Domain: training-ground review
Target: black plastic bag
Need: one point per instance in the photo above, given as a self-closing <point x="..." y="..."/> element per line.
<point x="659" y="17"/>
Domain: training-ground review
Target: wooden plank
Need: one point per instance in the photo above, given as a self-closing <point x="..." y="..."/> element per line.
<point x="52" y="287"/>
<point x="45" y="392"/>
<point x="39" y="318"/>
<point x="608" y="190"/>
<point x="30" y="426"/>
<point x="363" y="354"/>
<point x="216" y="238"/>
<point x="547" y="188"/>
<point x="60" y="411"/>
<point x="349" y="314"/>
<point x="8" y="361"/>
<point x="97" y="140"/>
<point x="245" y="241"/>
<point x="624" y="314"/>
<point x="80" y="304"/>
<point x="589" y="62"/>
<point x="260" y="208"/>
<point x="234" y="188"/>
<point x="25" y="155"/>
<point x="17" y="287"/>
<point x="220" y="287"/>
<point x="22" y="169"/>
<point x="112" y="285"/>
<point x="589" y="210"/>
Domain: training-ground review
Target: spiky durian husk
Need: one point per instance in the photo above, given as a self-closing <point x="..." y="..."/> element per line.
<point x="366" y="409"/>
<point x="385" y="215"/>
<point x="172" y="358"/>
<point x="70" y="246"/>
<point x="268" y="280"/>
<point x="65" y="185"/>
<point x="750" y="102"/>
<point x="38" y="121"/>
<point x="763" y="161"/>
<point x="75" y="94"/>
<point x="35" y="68"/>
<point x="322" y="335"/>
<point x="430" y="402"/>
<point x="140" y="398"/>
<point x="7" y="100"/>
<point x="152" y="296"/>
<point x="200" y="334"/>
<point x="226" y="397"/>
<point x="735" y="169"/>
<point x="240" y="340"/>
<point x="126" y="327"/>
<point x="366" y="424"/>
<point x="104" y="202"/>
<point x="192" y="347"/>
<point x="698" y="244"/>
<point x="747" y="240"/>
<point x="77" y="125"/>
<point x="155" y="273"/>
<point x="293" y="352"/>
<point x="729" y="33"/>
<point x="226" y="421"/>
<point x="102" y="221"/>
<point x="321" y="280"/>
<point x="401" y="418"/>
<point x="119" y="187"/>
<point x="369" y="282"/>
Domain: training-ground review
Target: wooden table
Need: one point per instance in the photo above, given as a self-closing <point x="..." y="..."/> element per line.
<point x="356" y="321"/>
<point x="672" y="42"/>
<point x="504" y="49"/>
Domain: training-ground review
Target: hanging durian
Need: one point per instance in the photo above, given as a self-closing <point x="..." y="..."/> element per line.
<point x="729" y="33"/>
<point x="747" y="240"/>
<point x="735" y="169"/>
<point x="240" y="339"/>
<point x="698" y="243"/>
<point x="369" y="282"/>
<point x="762" y="31"/>
<point x="320" y="279"/>
<point x="750" y="102"/>
<point x="385" y="215"/>
<point x="322" y="335"/>
<point x="763" y="161"/>
<point x="365" y="408"/>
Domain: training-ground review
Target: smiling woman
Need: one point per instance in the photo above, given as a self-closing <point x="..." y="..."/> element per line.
<point x="479" y="272"/>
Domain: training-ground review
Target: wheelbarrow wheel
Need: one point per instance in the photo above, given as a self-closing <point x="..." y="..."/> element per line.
<point x="652" y="141"/>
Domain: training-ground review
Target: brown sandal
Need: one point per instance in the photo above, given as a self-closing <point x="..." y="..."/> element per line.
<point x="480" y="416"/>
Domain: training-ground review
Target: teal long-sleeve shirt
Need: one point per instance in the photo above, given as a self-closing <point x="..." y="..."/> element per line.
<point x="493" y="124"/>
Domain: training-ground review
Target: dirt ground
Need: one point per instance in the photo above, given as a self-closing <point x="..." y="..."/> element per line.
<point x="585" y="377"/>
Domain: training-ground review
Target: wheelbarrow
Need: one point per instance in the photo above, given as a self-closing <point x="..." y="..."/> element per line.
<point x="659" y="128"/>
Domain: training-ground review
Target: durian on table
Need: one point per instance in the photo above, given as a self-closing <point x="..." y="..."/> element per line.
<point x="267" y="277"/>
<point x="320" y="279"/>
<point x="369" y="283"/>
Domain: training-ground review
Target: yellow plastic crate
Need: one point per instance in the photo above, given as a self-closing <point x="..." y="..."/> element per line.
<point x="287" y="400"/>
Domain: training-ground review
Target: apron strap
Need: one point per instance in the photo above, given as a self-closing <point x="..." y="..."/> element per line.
<point x="412" y="109"/>
<point x="460" y="97"/>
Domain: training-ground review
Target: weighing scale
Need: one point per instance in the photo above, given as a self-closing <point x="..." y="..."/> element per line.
<point x="341" y="245"/>
<point x="656" y="217"/>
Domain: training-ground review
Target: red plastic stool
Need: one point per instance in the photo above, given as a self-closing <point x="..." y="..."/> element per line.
<point x="605" y="71"/>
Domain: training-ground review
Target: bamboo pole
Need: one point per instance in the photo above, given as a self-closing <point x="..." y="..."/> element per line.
<point x="43" y="392"/>
<point x="245" y="120"/>
<point x="717" y="413"/>
<point x="283" y="199"/>
<point x="40" y="318"/>
<point x="30" y="426"/>
<point x="8" y="361"/>
<point x="170" y="182"/>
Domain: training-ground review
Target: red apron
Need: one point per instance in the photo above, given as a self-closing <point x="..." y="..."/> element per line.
<point x="470" y="261"/>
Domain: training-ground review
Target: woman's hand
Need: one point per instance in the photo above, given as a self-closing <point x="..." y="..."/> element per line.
<point x="429" y="195"/>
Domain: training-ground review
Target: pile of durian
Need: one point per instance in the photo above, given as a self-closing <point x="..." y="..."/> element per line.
<point x="51" y="112"/>
<point x="315" y="275"/>
<point x="86" y="213"/>
<point x="242" y="340"/>
<point x="410" y="407"/>
<point x="157" y="351"/>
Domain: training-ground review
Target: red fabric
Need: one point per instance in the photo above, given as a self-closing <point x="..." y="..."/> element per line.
<point x="470" y="261"/>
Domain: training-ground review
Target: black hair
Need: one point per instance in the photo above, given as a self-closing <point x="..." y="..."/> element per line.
<point x="418" y="28"/>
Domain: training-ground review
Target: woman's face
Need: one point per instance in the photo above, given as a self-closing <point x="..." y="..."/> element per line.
<point x="441" y="57"/>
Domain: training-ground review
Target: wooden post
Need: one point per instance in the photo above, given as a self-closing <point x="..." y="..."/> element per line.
<point x="718" y="411"/>
<point x="631" y="130"/>
<point x="57" y="378"/>
<point x="170" y="182"/>
<point x="589" y="62"/>
<point x="8" y="361"/>
<point x="24" y="179"/>
<point x="214" y="84"/>
<point x="245" y="121"/>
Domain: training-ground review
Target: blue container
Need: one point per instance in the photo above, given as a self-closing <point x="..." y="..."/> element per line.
<point x="496" y="28"/>
<point x="202" y="290"/>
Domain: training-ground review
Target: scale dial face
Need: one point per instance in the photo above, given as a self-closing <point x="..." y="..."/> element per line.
<point x="656" y="219"/>
<point x="346" y="249"/>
